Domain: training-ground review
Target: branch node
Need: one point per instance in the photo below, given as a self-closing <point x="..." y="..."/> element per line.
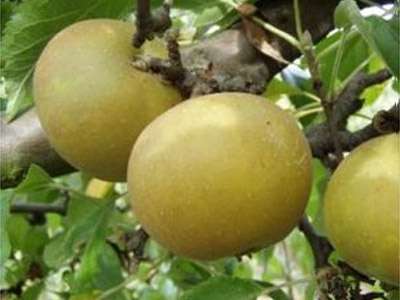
<point x="387" y="121"/>
<point x="148" y="24"/>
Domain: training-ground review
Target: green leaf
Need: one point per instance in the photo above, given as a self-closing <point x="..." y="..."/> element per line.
<point x="30" y="240"/>
<point x="315" y="203"/>
<point x="371" y="94"/>
<point x="222" y="288"/>
<point x="204" y="12"/>
<point x="341" y="15"/>
<point x="396" y="85"/>
<point x="386" y="35"/>
<point x="33" y="24"/>
<point x="12" y="272"/>
<point x="382" y="36"/>
<point x="200" y="16"/>
<point x="33" y="292"/>
<point x="185" y="274"/>
<point x="151" y="294"/>
<point x="100" y="266"/>
<point x="20" y="96"/>
<point x="277" y="88"/>
<point x="5" y="245"/>
<point x="274" y="293"/>
<point x="64" y="246"/>
<point x="79" y="208"/>
<point x="17" y="228"/>
<point x="356" y="53"/>
<point x="301" y="251"/>
<point x="37" y="186"/>
<point x="34" y="243"/>
<point x="6" y="9"/>
<point x="310" y="291"/>
<point x="275" y="268"/>
<point x="350" y="12"/>
<point x="36" y="179"/>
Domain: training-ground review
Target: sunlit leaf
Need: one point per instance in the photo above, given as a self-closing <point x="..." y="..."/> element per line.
<point x="64" y="246"/>
<point x="222" y="288"/>
<point x="36" y="179"/>
<point x="386" y="35"/>
<point x="186" y="274"/>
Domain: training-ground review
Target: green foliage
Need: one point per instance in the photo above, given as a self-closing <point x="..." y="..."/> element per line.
<point x="221" y="288"/>
<point x="315" y="204"/>
<point x="37" y="186"/>
<point x="7" y="9"/>
<point x="386" y="36"/>
<point x="64" y="246"/>
<point x="382" y="36"/>
<point x="187" y="274"/>
<point x="100" y="267"/>
<point x="36" y="179"/>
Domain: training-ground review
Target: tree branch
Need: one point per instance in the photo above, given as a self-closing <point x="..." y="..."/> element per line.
<point x="346" y="104"/>
<point x="327" y="103"/>
<point x="24" y="142"/>
<point x="320" y="246"/>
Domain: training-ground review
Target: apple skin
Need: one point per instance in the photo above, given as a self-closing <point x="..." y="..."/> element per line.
<point x="361" y="208"/>
<point x="220" y="175"/>
<point x="91" y="101"/>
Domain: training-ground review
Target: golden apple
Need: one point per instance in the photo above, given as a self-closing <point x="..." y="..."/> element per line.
<point x="220" y="175"/>
<point x="361" y="208"/>
<point x="91" y="101"/>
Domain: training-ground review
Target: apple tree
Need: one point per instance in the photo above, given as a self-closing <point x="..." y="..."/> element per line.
<point x="221" y="149"/>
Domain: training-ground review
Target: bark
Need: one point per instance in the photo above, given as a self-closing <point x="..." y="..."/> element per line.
<point x="24" y="142"/>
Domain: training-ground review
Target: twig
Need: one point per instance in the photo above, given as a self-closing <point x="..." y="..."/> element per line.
<point x="148" y="24"/>
<point x="373" y="295"/>
<point x="176" y="70"/>
<point x="170" y="69"/>
<point x="383" y="122"/>
<point x="28" y="207"/>
<point x="42" y="208"/>
<point x="353" y="90"/>
<point x="311" y="58"/>
<point x="346" y="104"/>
